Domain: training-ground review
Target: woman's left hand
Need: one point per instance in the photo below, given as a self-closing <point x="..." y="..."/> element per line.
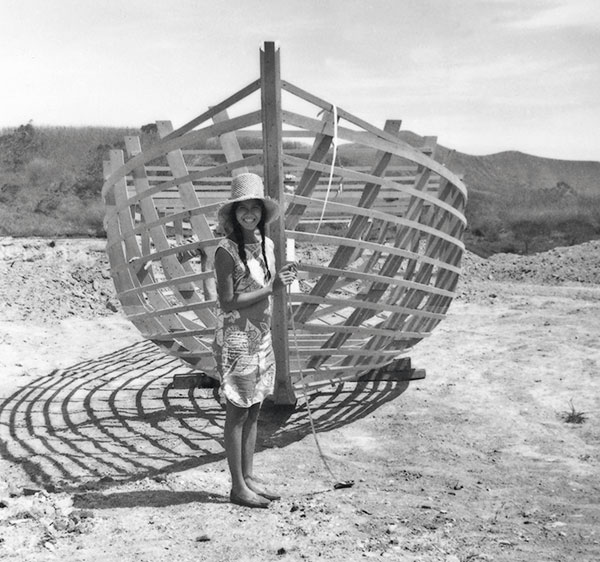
<point x="287" y="274"/>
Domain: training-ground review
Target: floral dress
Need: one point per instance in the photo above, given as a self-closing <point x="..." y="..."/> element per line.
<point x="242" y="346"/>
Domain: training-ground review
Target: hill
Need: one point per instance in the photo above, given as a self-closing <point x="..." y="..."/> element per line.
<point x="519" y="203"/>
<point x="51" y="177"/>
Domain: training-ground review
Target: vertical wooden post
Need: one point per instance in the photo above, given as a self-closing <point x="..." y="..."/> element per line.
<point x="270" y="80"/>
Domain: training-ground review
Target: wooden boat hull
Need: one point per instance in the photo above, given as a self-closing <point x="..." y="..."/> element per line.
<point x="379" y="243"/>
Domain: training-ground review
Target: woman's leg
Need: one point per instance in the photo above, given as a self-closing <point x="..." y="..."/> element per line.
<point x="235" y="421"/>
<point x="248" y="447"/>
<point x="249" y="440"/>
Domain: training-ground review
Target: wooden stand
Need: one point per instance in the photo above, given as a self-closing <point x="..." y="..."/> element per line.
<point x="400" y="370"/>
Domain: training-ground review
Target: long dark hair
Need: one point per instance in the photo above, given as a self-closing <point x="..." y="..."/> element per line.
<point x="238" y="235"/>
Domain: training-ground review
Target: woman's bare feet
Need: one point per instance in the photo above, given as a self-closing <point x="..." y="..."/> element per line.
<point x="255" y="484"/>
<point x="248" y="498"/>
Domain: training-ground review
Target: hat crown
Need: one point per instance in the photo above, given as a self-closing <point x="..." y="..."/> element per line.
<point x="247" y="186"/>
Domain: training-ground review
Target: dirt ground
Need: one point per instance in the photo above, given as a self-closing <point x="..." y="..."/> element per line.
<point x="494" y="456"/>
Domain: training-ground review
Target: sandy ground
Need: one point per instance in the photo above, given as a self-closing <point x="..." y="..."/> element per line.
<point x="102" y="459"/>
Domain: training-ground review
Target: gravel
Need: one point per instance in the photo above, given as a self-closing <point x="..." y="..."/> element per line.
<point x="49" y="280"/>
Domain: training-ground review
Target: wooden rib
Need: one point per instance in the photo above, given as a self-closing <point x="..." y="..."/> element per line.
<point x="417" y="191"/>
<point x="168" y="334"/>
<point x="164" y="147"/>
<point x="413" y="299"/>
<point x="373" y="214"/>
<point x="354" y="330"/>
<point x="328" y="106"/>
<point x="132" y="303"/>
<point x="344" y="252"/>
<point x="170" y="265"/>
<point x="374" y="277"/>
<point x="331" y="240"/>
<point x="199" y="223"/>
<point x="309" y="178"/>
<point x="156" y="286"/>
<point x="147" y="256"/>
<point x="407" y="151"/>
<point x="229" y="142"/>
<point x="182" y="215"/>
<point x="171" y="310"/>
<point x="231" y="100"/>
<point x="195" y="176"/>
<point x="120" y="221"/>
<point x="377" y="307"/>
<point x="333" y="374"/>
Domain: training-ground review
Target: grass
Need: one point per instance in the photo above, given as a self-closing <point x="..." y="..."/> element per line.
<point x="574" y="416"/>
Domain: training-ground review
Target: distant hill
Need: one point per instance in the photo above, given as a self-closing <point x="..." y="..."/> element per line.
<point x="51" y="177"/>
<point x="506" y="170"/>
<point x="519" y="202"/>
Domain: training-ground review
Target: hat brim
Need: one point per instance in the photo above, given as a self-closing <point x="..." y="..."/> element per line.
<point x="271" y="210"/>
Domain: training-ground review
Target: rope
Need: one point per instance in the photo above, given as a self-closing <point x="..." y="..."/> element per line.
<point x="337" y="483"/>
<point x="331" y="169"/>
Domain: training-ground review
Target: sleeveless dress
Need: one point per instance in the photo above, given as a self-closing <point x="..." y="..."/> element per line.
<point x="242" y="346"/>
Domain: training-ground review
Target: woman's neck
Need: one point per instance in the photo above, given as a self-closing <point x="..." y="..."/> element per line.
<point x="249" y="237"/>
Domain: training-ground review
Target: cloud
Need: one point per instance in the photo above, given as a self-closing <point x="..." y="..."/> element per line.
<point x="560" y="14"/>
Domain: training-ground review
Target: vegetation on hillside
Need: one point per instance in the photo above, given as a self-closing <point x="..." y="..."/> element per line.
<point x="51" y="179"/>
<point x="524" y="204"/>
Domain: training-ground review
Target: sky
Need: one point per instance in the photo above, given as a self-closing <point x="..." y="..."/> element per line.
<point x="484" y="76"/>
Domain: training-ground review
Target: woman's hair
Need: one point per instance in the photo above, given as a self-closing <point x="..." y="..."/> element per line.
<point x="238" y="236"/>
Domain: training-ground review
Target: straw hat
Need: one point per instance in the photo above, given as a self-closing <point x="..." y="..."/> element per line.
<point x="244" y="187"/>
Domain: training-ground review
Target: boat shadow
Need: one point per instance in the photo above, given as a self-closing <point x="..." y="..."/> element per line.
<point x="118" y="418"/>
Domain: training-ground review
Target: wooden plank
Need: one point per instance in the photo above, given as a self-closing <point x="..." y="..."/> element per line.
<point x="337" y="352"/>
<point x="309" y="179"/>
<point x="231" y="100"/>
<point x="368" y="129"/>
<point x="156" y="286"/>
<point x="158" y="255"/>
<point x="352" y="303"/>
<point x="344" y="252"/>
<point x="359" y="211"/>
<point x="331" y="240"/>
<point x="126" y="280"/>
<point x="199" y="223"/>
<point x="391" y="188"/>
<point x="407" y="236"/>
<point x="192" y="137"/>
<point x="414" y="299"/>
<point x="379" y="143"/>
<point x="230" y="144"/>
<point x="270" y="82"/>
<point x="374" y="277"/>
<point x="170" y="265"/>
<point x="355" y="330"/>
<point x="170" y="310"/>
<point x="228" y="168"/>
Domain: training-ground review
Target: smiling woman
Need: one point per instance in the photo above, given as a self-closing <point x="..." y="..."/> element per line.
<point x="389" y="232"/>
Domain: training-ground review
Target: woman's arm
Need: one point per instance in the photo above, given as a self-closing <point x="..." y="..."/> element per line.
<point x="228" y="299"/>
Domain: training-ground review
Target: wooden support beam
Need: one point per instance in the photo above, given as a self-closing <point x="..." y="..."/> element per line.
<point x="399" y="370"/>
<point x="270" y="79"/>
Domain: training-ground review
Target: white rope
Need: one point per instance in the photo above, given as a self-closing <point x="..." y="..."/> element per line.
<point x="333" y="159"/>
<point x="337" y="483"/>
<point x="304" y="391"/>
